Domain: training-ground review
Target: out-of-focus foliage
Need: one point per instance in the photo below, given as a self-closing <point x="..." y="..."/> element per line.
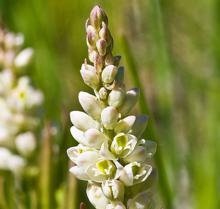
<point x="171" y="49"/>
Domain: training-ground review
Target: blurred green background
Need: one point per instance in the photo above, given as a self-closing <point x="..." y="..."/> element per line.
<point x="171" y="49"/>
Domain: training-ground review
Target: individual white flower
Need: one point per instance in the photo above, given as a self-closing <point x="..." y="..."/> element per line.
<point x="123" y="144"/>
<point x="109" y="73"/>
<point x="23" y="58"/>
<point x="25" y="143"/>
<point x="134" y="173"/>
<point x="96" y="196"/>
<point x="113" y="189"/>
<point x="102" y="170"/>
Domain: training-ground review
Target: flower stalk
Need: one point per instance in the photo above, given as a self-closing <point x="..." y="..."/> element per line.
<point x="111" y="154"/>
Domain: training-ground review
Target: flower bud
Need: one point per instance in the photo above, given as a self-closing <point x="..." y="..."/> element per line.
<point x="113" y="189"/>
<point x="125" y="124"/>
<point x="25" y="143"/>
<point x="89" y="76"/>
<point x="109" y="73"/>
<point x="96" y="196"/>
<point x="103" y="93"/>
<point x="82" y="121"/>
<point x="104" y="32"/>
<point x="101" y="46"/>
<point x="23" y="58"/>
<point x="97" y="16"/>
<point x="90" y="104"/>
<point x="92" y="55"/>
<point x="95" y="138"/>
<point x="130" y="101"/>
<point x="116" y="97"/>
<point x="92" y="36"/>
<point x="123" y="144"/>
<point x="109" y="117"/>
<point x="139" y="125"/>
<point x="135" y="173"/>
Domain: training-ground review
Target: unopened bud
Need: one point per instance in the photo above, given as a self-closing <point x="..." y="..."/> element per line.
<point x="101" y="46"/>
<point x="109" y="117"/>
<point x="82" y="121"/>
<point x="109" y="73"/>
<point x="97" y="16"/>
<point x="116" y="97"/>
<point x="92" y="36"/>
<point x="90" y="104"/>
<point x="130" y="101"/>
<point x="89" y="76"/>
<point x="125" y="124"/>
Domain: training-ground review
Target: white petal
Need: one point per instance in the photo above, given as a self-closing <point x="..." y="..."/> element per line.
<point x="125" y="124"/>
<point x="79" y="173"/>
<point x="82" y="121"/>
<point x="96" y="197"/>
<point x="24" y="58"/>
<point x="109" y="117"/>
<point x="94" y="138"/>
<point x="90" y="104"/>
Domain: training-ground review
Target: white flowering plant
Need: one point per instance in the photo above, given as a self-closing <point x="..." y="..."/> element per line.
<point x="111" y="155"/>
<point x="19" y="101"/>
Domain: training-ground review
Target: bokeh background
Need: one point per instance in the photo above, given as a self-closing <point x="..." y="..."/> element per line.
<point x="171" y="50"/>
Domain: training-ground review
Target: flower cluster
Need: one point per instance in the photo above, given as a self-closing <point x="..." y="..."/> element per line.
<point x="18" y="102"/>
<point x="110" y="155"/>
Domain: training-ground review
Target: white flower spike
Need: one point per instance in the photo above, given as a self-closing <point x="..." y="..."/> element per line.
<point x="18" y="103"/>
<point x="111" y="156"/>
